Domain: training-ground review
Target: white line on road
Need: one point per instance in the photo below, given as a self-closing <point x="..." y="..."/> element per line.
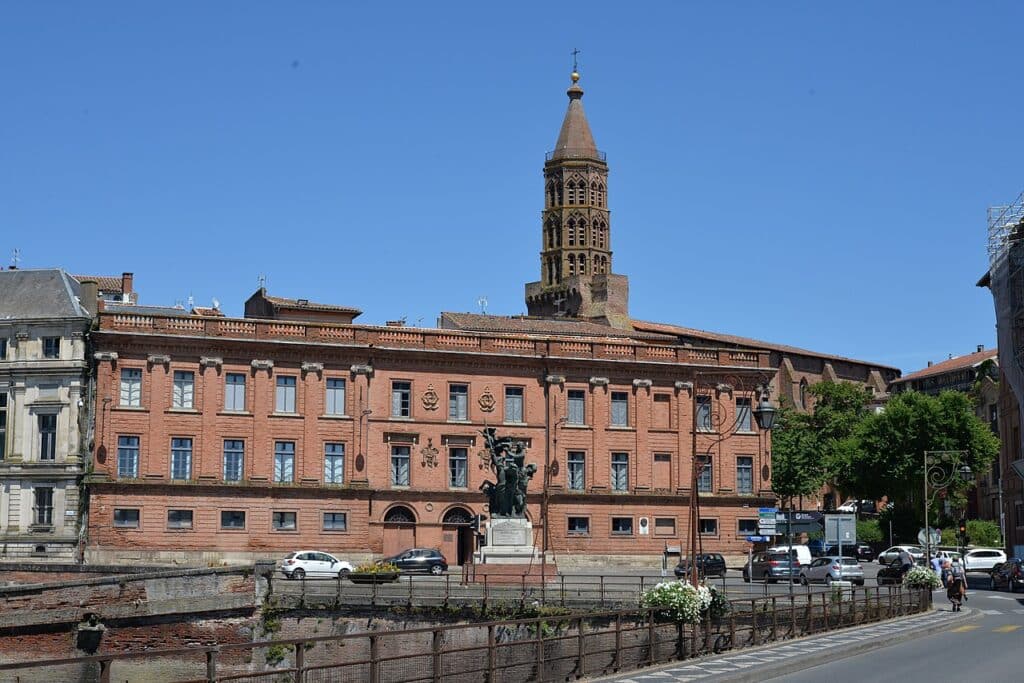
<point x="990" y="611"/>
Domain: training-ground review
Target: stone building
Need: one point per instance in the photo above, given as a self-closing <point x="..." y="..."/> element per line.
<point x="43" y="413"/>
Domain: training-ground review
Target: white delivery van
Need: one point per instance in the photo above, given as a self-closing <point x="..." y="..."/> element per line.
<point x="801" y="552"/>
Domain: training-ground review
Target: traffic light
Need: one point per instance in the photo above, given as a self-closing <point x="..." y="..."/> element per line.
<point x="963" y="526"/>
<point x="477" y="522"/>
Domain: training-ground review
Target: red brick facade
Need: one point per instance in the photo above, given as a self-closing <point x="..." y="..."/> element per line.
<point x="653" y="446"/>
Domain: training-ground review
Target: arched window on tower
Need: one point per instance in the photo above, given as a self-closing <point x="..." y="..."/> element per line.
<point x="593" y="192"/>
<point x="549" y="193"/>
<point x="582" y="264"/>
<point x="572" y="264"/>
<point x="572" y="232"/>
<point x="558" y="269"/>
<point x="601" y="231"/>
<point x="581" y="233"/>
<point x="600" y="194"/>
<point x="558" y="193"/>
<point x="570" y="192"/>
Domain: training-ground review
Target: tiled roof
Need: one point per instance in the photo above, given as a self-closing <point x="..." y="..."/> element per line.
<point x="959" y="363"/>
<point x="476" y="322"/>
<point x="308" y="305"/>
<point x="104" y="283"/>
<point x="135" y="309"/>
<point x="746" y="342"/>
<point x="39" y="294"/>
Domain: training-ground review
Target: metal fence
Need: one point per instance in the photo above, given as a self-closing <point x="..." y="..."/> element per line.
<point x="547" y="648"/>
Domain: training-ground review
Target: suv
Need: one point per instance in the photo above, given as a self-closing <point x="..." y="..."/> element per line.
<point x="982" y="559"/>
<point x="708" y="564"/>
<point x="1009" y="574"/>
<point x="419" y="560"/>
<point x="770" y="566"/>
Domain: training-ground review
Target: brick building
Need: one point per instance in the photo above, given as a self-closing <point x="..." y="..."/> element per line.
<point x="233" y="438"/>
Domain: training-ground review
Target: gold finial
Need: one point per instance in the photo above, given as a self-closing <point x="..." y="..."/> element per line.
<point x="575" y="77"/>
<point x="575" y="66"/>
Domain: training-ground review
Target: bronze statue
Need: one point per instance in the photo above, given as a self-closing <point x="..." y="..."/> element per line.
<point x="507" y="497"/>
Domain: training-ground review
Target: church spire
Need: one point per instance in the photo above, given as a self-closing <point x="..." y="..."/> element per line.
<point x="575" y="141"/>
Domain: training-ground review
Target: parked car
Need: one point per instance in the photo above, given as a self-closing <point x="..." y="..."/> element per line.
<point x="865" y="553"/>
<point x="770" y="566"/>
<point x="834" y="568"/>
<point x="893" y="572"/>
<point x="1008" y="575"/>
<point x="890" y="554"/>
<point x="419" y="560"/>
<point x="708" y="564"/>
<point x="983" y="559"/>
<point x="304" y="563"/>
<point x="951" y="555"/>
<point x="801" y="553"/>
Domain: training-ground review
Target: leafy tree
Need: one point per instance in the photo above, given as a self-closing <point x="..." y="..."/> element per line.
<point x="868" y="531"/>
<point x="885" y="456"/>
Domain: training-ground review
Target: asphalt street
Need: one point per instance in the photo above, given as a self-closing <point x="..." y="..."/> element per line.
<point x="985" y="649"/>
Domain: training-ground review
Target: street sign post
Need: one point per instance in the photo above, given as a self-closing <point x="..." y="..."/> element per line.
<point x="766" y="521"/>
<point x="841" y="530"/>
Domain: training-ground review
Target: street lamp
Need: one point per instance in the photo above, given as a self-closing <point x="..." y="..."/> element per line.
<point x="940" y="470"/>
<point x="714" y="430"/>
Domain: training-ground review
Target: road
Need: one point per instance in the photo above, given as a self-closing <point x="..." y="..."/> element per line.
<point x="985" y="649"/>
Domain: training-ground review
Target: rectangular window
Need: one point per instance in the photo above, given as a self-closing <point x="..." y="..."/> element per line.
<point x="1018" y="512"/>
<point x="3" y="424"/>
<point x="334" y="463"/>
<point x="47" y="437"/>
<point x="184" y="389"/>
<point x="576" y="479"/>
<point x="234" y="392"/>
<point x="234" y="459"/>
<point x="747" y="527"/>
<point x="179" y="519"/>
<point x="126" y="518"/>
<point x="283" y="521"/>
<point x="285" y="397"/>
<point x="703" y="413"/>
<point x="335" y="521"/>
<point x="399" y="465"/>
<point x="284" y="462"/>
<point x="514" y="404"/>
<point x="335" y="403"/>
<point x="51" y="347"/>
<point x="127" y="457"/>
<point x="743" y="423"/>
<point x="3" y="349"/>
<point x="744" y="474"/>
<point x="620" y="409"/>
<point x="401" y="399"/>
<point x="704" y="466"/>
<point x="620" y="471"/>
<point x="662" y="413"/>
<point x="577" y="407"/>
<point x="42" y="505"/>
<point x="232" y="519"/>
<point x="458" y="468"/>
<point x="708" y="527"/>
<point x="131" y="387"/>
<point x="458" y="402"/>
<point x="664" y="526"/>
<point x="622" y="526"/>
<point x="181" y="458"/>
<point x="579" y="526"/>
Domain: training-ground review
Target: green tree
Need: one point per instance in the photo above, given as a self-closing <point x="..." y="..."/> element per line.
<point x="885" y="456"/>
<point x="868" y="531"/>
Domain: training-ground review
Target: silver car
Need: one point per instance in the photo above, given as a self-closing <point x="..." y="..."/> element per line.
<point x="833" y="568"/>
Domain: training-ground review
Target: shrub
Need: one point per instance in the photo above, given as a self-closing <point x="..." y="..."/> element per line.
<point x="921" y="577"/>
<point x="983" y="532"/>
<point x="376" y="568"/>
<point x="679" y="600"/>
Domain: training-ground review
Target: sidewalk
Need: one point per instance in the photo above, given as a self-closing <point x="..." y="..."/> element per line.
<point x="758" y="664"/>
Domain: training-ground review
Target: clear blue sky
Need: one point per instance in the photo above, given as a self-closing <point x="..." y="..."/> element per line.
<point x="807" y="173"/>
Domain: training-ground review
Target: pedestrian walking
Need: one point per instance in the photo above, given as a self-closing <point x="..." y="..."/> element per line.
<point x="954" y="578"/>
<point x="937" y="565"/>
<point x="906" y="562"/>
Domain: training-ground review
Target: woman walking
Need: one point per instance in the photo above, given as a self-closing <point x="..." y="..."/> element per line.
<point x="953" y="576"/>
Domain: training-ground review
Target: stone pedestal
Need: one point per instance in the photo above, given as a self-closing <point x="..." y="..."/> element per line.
<point x="508" y="540"/>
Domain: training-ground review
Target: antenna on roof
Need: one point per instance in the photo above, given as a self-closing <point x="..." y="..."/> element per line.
<point x="15" y="258"/>
<point x="191" y="301"/>
<point x="261" y="279"/>
<point x="482" y="303"/>
<point x="216" y="304"/>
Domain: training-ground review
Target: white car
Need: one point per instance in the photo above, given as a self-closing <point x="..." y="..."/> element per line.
<point x="890" y="554"/>
<point x="303" y="563"/>
<point x="982" y="559"/>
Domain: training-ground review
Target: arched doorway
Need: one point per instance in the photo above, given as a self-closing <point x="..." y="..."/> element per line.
<point x="458" y="543"/>
<point x="399" y="530"/>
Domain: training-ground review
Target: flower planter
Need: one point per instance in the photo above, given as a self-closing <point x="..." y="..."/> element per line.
<point x="366" y="577"/>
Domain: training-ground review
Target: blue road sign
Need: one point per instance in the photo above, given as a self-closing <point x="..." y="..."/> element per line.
<point x="759" y="539"/>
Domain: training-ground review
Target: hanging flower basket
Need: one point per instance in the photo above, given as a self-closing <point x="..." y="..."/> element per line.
<point x="921" y="577"/>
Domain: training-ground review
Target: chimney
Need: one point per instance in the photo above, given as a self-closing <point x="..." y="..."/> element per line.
<point x="126" y="288"/>
<point x="90" y="295"/>
<point x="981" y="347"/>
<point x="929" y="363"/>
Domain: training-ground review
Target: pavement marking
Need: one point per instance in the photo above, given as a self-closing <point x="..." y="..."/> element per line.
<point x="1000" y="597"/>
<point x="990" y="611"/>
<point x="1019" y="611"/>
<point x="1006" y="629"/>
<point x="964" y="629"/>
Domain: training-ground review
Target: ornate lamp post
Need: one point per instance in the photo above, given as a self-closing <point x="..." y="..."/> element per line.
<point x="713" y="431"/>
<point x="940" y="470"/>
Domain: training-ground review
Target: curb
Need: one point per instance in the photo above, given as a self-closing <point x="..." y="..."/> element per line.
<point x="810" y="661"/>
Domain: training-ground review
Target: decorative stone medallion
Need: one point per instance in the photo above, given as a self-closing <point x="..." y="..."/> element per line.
<point x="486" y="400"/>
<point x="430" y="398"/>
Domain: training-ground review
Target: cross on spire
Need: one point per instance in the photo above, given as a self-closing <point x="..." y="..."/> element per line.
<point x="575" y="52"/>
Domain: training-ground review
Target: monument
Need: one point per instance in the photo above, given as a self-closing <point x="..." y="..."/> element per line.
<point x="509" y="535"/>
